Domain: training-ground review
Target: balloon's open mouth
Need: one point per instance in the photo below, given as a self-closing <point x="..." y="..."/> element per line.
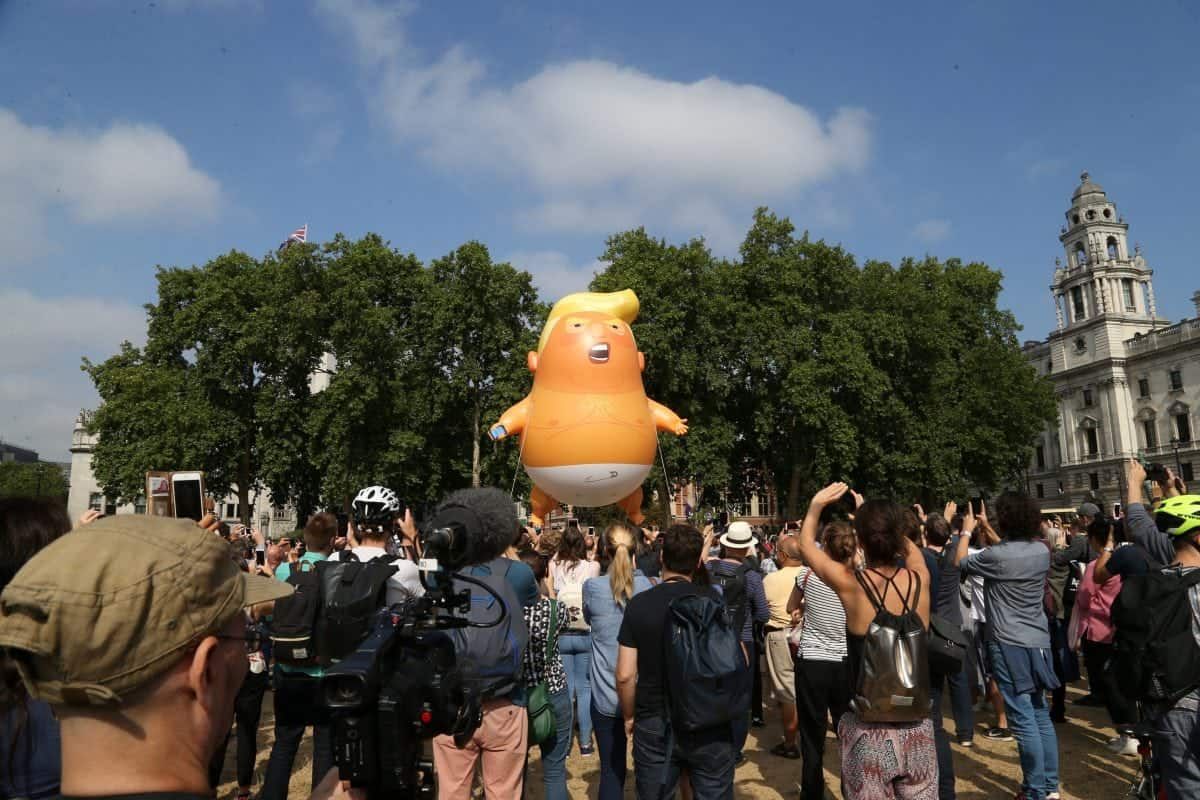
<point x="599" y="353"/>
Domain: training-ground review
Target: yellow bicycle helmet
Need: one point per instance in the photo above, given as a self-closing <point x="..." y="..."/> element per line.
<point x="1179" y="516"/>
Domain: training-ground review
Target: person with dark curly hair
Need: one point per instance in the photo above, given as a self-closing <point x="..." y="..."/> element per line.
<point x="1017" y="634"/>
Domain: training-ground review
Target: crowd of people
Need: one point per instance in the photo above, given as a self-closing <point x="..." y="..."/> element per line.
<point x="136" y="649"/>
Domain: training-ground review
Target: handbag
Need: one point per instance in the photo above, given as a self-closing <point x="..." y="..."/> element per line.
<point x="796" y="633"/>
<point x="542" y="727"/>
<point x="948" y="642"/>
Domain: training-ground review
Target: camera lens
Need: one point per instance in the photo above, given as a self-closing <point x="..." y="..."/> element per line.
<point x="346" y="691"/>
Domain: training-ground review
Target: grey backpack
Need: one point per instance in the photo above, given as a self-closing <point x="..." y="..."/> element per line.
<point x="893" y="676"/>
<point x="492" y="658"/>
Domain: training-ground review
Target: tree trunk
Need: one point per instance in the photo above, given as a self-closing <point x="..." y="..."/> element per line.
<point x="793" y="493"/>
<point x="475" y="447"/>
<point x="243" y="491"/>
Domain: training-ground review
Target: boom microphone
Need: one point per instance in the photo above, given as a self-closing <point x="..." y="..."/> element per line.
<point x="471" y="526"/>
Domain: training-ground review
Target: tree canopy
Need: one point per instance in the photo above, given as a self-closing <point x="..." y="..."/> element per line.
<point x="794" y="364"/>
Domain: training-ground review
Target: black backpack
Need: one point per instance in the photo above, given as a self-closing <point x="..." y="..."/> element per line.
<point x="294" y="619"/>
<point x="734" y="595"/>
<point x="352" y="593"/>
<point x="1157" y="658"/>
<point x="702" y="660"/>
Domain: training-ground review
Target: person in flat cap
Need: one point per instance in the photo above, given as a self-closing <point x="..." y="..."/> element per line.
<point x="135" y="631"/>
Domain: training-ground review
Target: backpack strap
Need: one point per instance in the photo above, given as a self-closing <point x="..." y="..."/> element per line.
<point x="552" y="635"/>
<point x="872" y="593"/>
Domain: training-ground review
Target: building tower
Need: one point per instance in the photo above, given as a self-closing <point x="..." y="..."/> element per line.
<point x="1104" y="294"/>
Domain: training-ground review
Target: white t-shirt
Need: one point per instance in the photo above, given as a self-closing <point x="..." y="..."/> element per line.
<point x="976" y="584"/>
<point x="580" y="571"/>
<point x="404" y="584"/>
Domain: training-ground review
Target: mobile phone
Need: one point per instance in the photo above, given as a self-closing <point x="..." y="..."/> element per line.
<point x="791" y="526"/>
<point x="591" y="530"/>
<point x="574" y="523"/>
<point x="187" y="495"/>
<point x="1116" y="510"/>
<point x="260" y="557"/>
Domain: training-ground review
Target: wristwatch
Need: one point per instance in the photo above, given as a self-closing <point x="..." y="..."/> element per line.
<point x="1108" y="549"/>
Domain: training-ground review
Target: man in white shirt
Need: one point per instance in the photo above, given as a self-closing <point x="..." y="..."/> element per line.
<point x="374" y="523"/>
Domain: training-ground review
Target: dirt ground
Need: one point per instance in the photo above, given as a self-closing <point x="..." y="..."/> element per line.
<point x="987" y="771"/>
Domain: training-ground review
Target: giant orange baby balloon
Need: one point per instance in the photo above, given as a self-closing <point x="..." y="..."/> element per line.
<point x="588" y="431"/>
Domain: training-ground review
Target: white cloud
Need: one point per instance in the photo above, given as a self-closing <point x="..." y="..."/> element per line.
<point x="594" y="136"/>
<point x="932" y="231"/>
<point x="41" y="385"/>
<point x="553" y="273"/>
<point x="127" y="173"/>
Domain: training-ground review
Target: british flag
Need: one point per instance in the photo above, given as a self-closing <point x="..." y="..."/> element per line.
<point x="299" y="235"/>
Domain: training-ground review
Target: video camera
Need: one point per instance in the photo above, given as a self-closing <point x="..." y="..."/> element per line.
<point x="403" y="686"/>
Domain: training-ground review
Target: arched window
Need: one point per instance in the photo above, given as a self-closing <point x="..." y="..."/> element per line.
<point x="1112" y="248"/>
<point x="1080" y="255"/>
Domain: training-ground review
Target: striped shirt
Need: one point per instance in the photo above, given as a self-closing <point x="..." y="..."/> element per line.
<point x="824" y="628"/>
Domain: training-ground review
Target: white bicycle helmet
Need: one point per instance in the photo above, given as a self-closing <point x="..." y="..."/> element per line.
<point x="376" y="507"/>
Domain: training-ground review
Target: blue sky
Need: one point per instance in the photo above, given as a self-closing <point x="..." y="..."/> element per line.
<point x="142" y="133"/>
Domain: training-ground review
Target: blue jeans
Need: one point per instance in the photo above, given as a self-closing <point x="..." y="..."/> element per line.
<point x="576" y="651"/>
<point x="554" y="752"/>
<point x="1029" y="719"/>
<point x="611" y="744"/>
<point x="1176" y="737"/>
<point x="941" y="741"/>
<point x="961" y="704"/>
<point x="659" y="755"/>
<point x="296" y="707"/>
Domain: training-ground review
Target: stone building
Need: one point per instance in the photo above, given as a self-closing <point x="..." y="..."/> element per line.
<point x="1127" y="381"/>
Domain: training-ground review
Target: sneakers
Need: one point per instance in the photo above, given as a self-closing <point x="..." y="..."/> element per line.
<point x="1124" y="745"/>
<point x="586" y="751"/>
<point x="1052" y="796"/>
<point x="999" y="734"/>
<point x="965" y="741"/>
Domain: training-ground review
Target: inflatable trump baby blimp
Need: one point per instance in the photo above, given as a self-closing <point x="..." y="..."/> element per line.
<point x="588" y="432"/>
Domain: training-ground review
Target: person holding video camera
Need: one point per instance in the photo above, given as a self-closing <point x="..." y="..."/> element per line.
<point x="143" y="676"/>
<point x="492" y="656"/>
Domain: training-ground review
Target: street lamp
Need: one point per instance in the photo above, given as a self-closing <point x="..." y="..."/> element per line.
<point x="1175" y="447"/>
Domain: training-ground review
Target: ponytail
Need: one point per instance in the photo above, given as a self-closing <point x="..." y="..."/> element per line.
<point x="620" y="569"/>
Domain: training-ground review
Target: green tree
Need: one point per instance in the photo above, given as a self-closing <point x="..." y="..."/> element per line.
<point x="480" y="320"/>
<point x="32" y="480"/>
<point x="225" y="342"/>
<point x="368" y="426"/>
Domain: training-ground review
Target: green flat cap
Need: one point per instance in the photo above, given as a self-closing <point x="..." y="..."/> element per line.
<point x="106" y="609"/>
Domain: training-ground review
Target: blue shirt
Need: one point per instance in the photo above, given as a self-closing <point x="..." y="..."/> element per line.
<point x="519" y="576"/>
<point x="1014" y="581"/>
<point x="601" y="611"/>
<point x="37" y="760"/>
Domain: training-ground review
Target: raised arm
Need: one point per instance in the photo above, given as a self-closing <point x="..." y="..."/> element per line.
<point x="964" y="539"/>
<point x="511" y="421"/>
<point x="836" y="575"/>
<point x="1139" y="524"/>
<point x="667" y="420"/>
